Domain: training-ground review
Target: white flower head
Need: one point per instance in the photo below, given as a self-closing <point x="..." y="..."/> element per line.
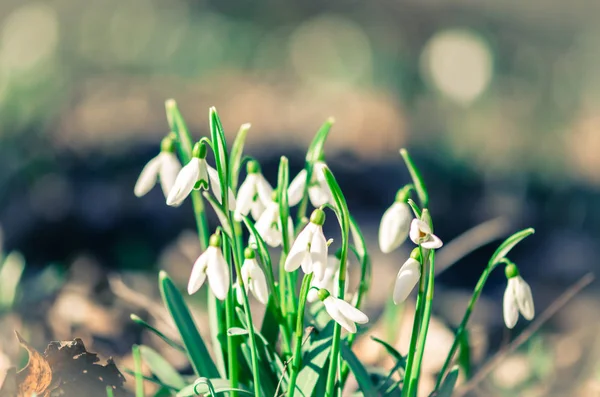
<point x="517" y="298"/>
<point x="395" y="224"/>
<point x="318" y="189"/>
<point x="310" y="248"/>
<point x="254" y="278"/>
<point x="330" y="280"/>
<point x="421" y="234"/>
<point x="342" y="312"/>
<point x="212" y="264"/>
<point x="407" y="278"/>
<point x="254" y="193"/>
<point x="269" y="226"/>
<point x="162" y="168"/>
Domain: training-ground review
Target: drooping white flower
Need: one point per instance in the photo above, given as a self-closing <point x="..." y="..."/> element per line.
<point x="254" y="278"/>
<point x="212" y="264"/>
<point x="406" y="280"/>
<point x="420" y="234"/>
<point x="394" y="226"/>
<point x="310" y="248"/>
<point x="330" y="280"/>
<point x="194" y="172"/>
<point x="215" y="186"/>
<point x="517" y="298"/>
<point x="318" y="189"/>
<point x="342" y="312"/>
<point x="254" y="193"/>
<point x="163" y="168"/>
<point x="269" y="226"/>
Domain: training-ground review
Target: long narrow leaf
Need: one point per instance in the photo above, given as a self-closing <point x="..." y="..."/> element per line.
<point x="196" y="349"/>
<point x="417" y="179"/>
<point x="237" y="151"/>
<point x="161" y="368"/>
<point x="315" y="150"/>
<point x="200" y="388"/>
<point x="315" y="361"/>
<point x="178" y="126"/>
<point x="509" y="244"/>
<point x="169" y="341"/>
<point x="447" y="386"/>
<point x="360" y="373"/>
<point x="137" y="365"/>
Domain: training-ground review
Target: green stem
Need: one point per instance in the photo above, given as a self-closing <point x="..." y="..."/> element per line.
<point x="200" y="215"/>
<point x="297" y="362"/>
<point x="463" y="323"/>
<point x="137" y="365"/>
<point x="230" y="322"/>
<point x="424" y="327"/>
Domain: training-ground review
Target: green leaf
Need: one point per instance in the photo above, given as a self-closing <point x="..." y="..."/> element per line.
<point x="315" y="150"/>
<point x="464" y="353"/>
<point x="417" y="179"/>
<point x="508" y="245"/>
<point x="360" y="373"/>
<point x="161" y="368"/>
<point x="270" y="324"/>
<point x="137" y="365"/>
<point x="164" y="392"/>
<point x="218" y="208"/>
<point x="178" y="126"/>
<point x="10" y="276"/>
<point x="165" y="338"/>
<point x="201" y="388"/>
<point x="447" y="386"/>
<point x="391" y="350"/>
<point x="216" y="324"/>
<point x="237" y="150"/>
<point x="196" y="349"/>
<point x="415" y="208"/>
<point x="109" y="391"/>
<point x="220" y="150"/>
<point x="282" y="194"/>
<point x="315" y="361"/>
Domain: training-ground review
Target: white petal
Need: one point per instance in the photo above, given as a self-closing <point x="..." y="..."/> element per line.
<point x="524" y="298"/>
<point x="408" y="276"/>
<point x="198" y="273"/>
<point x="215" y="185"/>
<point x="218" y="274"/>
<point x="394" y="227"/>
<point x="307" y="264"/>
<point x="148" y="177"/>
<point x="318" y="253"/>
<point x="239" y="296"/>
<point x="266" y="220"/>
<point x="245" y="197"/>
<point x="351" y="312"/>
<point x="257" y="209"/>
<point x="433" y="242"/>
<point x="509" y="309"/>
<point x="203" y="173"/>
<point x="299" y="250"/>
<point x="331" y="305"/>
<point x="169" y="169"/>
<point x="312" y="296"/>
<point x="264" y="189"/>
<point x="258" y="285"/>
<point x="318" y="196"/>
<point x="296" y="188"/>
<point x="184" y="183"/>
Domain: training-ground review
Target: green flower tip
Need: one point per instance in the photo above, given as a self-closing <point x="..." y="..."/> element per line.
<point x="215" y="240"/>
<point x="403" y="194"/>
<point x="252" y="167"/>
<point x="162" y="275"/>
<point x="323" y="294"/>
<point x="199" y="150"/>
<point x="416" y="254"/>
<point x="167" y="145"/>
<point x="318" y="217"/>
<point x="426" y="217"/>
<point x="511" y="270"/>
<point x="170" y="103"/>
<point x="275" y="196"/>
<point x="135" y="317"/>
<point x="249" y="253"/>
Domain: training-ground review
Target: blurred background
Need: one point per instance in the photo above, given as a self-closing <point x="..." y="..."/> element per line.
<point x="498" y="102"/>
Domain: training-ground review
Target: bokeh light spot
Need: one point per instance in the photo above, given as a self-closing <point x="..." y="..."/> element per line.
<point x="458" y="62"/>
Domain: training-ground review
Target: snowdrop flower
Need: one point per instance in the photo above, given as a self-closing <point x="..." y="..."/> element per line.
<point x="420" y="234"/>
<point x="342" y="312"/>
<point x="395" y="223"/>
<point x="310" y="248"/>
<point x="254" y="278"/>
<point x="254" y="193"/>
<point x="212" y="264"/>
<point x="407" y="278"/>
<point x="318" y="189"/>
<point x="517" y="297"/>
<point x="163" y="168"/>
<point x="269" y="225"/>
<point x="330" y="280"/>
<point x="197" y="174"/>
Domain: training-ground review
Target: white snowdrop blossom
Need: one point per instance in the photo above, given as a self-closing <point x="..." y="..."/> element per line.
<point x="406" y="280"/>
<point x="394" y="226"/>
<point x="269" y="226"/>
<point x="517" y="298"/>
<point x="318" y="189"/>
<point x="254" y="278"/>
<point x="254" y="193"/>
<point x="212" y="264"/>
<point x="162" y="168"/>
<point x="310" y="248"/>
<point x="193" y="173"/>
<point x="342" y="312"/>
<point x="330" y="280"/>
<point x="420" y="234"/>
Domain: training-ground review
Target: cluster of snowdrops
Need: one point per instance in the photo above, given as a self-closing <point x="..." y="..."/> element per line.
<point x="255" y="218"/>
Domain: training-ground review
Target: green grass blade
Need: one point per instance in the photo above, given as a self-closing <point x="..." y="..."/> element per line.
<point x="464" y="353"/>
<point x="218" y="208"/>
<point x="109" y="392"/>
<point x="391" y="350"/>
<point x="161" y="368"/>
<point x="136" y="319"/>
<point x="196" y="349"/>
<point x="417" y="179"/>
<point x="447" y="386"/>
<point x="178" y="126"/>
<point x="220" y="150"/>
<point x="237" y="151"/>
<point x="201" y="387"/>
<point x="315" y="149"/>
<point x="360" y="373"/>
<point x="509" y="244"/>
<point x="137" y="365"/>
